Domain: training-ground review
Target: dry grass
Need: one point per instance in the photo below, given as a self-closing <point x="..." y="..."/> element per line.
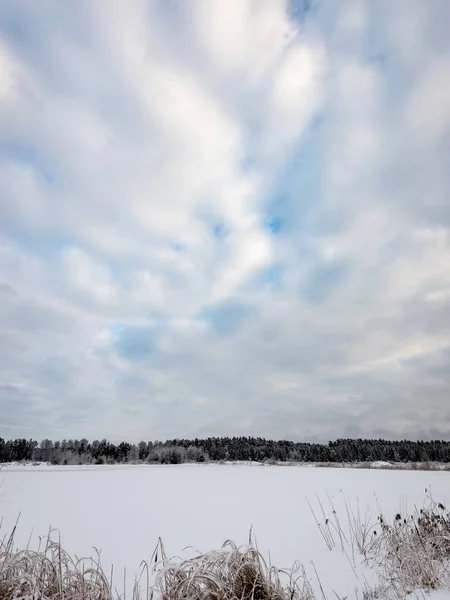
<point x="50" y="573"/>
<point x="394" y="466"/>
<point x="413" y="551"/>
<point x="410" y="552"/>
<point x="231" y="573"/>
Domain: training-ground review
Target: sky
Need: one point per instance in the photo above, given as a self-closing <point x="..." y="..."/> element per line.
<point x="225" y="218"/>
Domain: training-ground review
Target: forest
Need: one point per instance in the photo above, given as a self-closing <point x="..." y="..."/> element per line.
<point x="215" y="449"/>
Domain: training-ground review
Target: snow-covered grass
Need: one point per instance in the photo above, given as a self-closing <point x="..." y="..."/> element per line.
<point x="413" y="550"/>
<point x="49" y="573"/>
<point x="124" y="510"/>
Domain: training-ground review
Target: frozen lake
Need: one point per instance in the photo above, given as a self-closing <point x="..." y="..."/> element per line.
<point x="122" y="510"/>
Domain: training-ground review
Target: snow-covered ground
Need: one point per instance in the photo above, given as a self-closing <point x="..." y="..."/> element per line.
<point x="122" y="510"/>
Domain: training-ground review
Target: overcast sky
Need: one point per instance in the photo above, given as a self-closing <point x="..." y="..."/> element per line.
<point x="225" y="217"/>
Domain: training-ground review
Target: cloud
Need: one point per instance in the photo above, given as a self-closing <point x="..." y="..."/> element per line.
<point x="225" y="317"/>
<point x="224" y="218"/>
<point x="6" y="289"/>
<point x="134" y="343"/>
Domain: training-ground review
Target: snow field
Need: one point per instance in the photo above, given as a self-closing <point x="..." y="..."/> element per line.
<point x="123" y="510"/>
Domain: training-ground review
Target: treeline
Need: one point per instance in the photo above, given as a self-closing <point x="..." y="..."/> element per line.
<point x="73" y="452"/>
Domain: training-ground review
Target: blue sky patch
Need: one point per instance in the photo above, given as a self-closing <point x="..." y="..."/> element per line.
<point x="274" y="224"/>
<point x="220" y="230"/>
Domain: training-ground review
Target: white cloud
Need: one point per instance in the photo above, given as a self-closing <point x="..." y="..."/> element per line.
<point x="249" y="251"/>
<point x="428" y="114"/>
<point x="145" y="147"/>
<point x="86" y="275"/>
<point x="295" y="95"/>
<point x="242" y="38"/>
<point x="7" y="78"/>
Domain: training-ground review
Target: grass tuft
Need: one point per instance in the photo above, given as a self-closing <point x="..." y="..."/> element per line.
<point x="413" y="551"/>
<point x="50" y="573"/>
<point x="409" y="551"/>
<point x="231" y="573"/>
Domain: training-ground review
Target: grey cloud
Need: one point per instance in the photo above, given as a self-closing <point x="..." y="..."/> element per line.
<point x="324" y="280"/>
<point x="350" y="339"/>
<point x="8" y="290"/>
<point x="135" y="343"/>
<point x="34" y="318"/>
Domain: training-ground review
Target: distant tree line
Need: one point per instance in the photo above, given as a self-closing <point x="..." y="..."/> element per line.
<point x="73" y="452"/>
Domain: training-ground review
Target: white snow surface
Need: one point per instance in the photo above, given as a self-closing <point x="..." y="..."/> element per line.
<point x="123" y="510"/>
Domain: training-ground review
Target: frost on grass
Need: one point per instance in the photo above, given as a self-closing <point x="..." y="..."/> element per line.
<point x="410" y="552"/>
<point x="49" y="573"/>
<point x="231" y="573"/>
<point x="413" y="551"/>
